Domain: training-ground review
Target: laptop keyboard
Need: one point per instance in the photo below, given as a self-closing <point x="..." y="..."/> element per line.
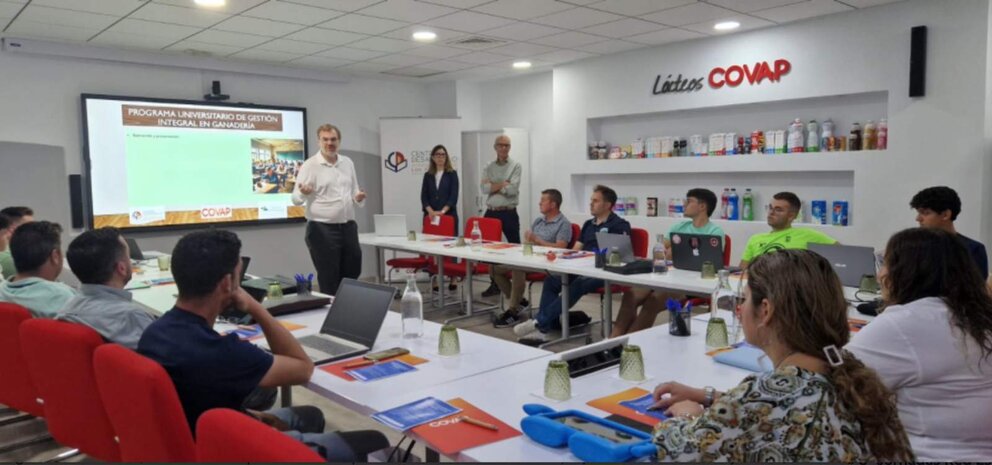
<point x="324" y="347"/>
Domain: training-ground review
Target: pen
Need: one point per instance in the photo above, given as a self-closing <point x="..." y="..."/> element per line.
<point x="481" y="424"/>
<point x="359" y="363"/>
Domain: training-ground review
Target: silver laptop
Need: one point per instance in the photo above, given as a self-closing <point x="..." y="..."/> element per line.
<point x="621" y="241"/>
<point x="352" y="324"/>
<point x="389" y="225"/>
<point x="850" y="262"/>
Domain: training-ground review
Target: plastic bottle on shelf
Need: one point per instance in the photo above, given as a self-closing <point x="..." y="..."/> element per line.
<point x="733" y="206"/>
<point x="812" y="136"/>
<point x="855" y="142"/>
<point x="724" y="200"/>
<point x="747" y="206"/>
<point x="795" y="142"/>
<point x="679" y="208"/>
<point x="883" y="135"/>
<point x="870" y="136"/>
<point x="826" y="133"/>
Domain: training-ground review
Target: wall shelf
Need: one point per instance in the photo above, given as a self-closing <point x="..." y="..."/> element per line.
<point x="767" y="163"/>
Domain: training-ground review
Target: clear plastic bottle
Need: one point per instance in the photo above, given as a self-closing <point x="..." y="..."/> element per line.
<point x="724" y="298"/>
<point x="475" y="237"/>
<point x="660" y="263"/>
<point x="747" y="206"/>
<point x="733" y="205"/>
<point x="412" y="309"/>
<point x="883" y="134"/>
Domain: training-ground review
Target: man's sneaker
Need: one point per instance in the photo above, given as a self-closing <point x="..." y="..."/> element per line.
<point x="524" y="303"/>
<point x="534" y="340"/>
<point x="492" y="291"/>
<point x="507" y="319"/>
<point x="525" y="328"/>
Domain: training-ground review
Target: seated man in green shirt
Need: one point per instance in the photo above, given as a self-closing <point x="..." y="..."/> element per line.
<point x="782" y="212"/>
<point x="10" y="219"/>
<point x="37" y="251"/>
<point x="699" y="206"/>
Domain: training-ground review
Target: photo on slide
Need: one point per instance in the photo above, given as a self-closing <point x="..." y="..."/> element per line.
<point x="275" y="164"/>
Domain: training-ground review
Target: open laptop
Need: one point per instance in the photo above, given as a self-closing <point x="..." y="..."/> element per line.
<point x="850" y="262"/>
<point x="621" y="241"/>
<point x="352" y="323"/>
<point x="390" y="225"/>
<point x="689" y="251"/>
<point x="132" y="245"/>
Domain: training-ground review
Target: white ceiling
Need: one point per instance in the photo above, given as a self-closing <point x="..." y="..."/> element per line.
<point x="364" y="37"/>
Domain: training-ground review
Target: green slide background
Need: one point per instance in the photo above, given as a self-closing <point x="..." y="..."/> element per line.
<point x="193" y="170"/>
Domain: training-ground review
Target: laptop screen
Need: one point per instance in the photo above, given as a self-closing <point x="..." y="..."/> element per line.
<point x="358" y="311"/>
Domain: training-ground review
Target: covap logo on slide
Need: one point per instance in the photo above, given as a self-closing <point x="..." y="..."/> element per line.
<point x="396" y="162"/>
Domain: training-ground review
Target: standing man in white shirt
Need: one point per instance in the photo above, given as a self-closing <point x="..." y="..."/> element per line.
<point x="328" y="185"/>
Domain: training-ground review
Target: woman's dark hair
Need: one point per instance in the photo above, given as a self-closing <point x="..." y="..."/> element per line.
<point x="810" y="313"/>
<point x="447" y="160"/>
<point x="929" y="262"/>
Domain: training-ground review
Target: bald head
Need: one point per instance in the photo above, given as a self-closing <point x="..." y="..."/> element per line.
<point x="502" y="146"/>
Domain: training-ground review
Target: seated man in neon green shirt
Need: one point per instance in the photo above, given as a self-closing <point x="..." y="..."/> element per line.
<point x="782" y="212"/>
<point x="699" y="205"/>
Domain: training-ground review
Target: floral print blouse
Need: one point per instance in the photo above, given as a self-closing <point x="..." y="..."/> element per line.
<point x="787" y="415"/>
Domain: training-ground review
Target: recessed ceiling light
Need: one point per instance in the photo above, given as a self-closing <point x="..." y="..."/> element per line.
<point x="424" y="36"/>
<point x="726" y="25"/>
<point x="210" y="3"/>
<point x="521" y="64"/>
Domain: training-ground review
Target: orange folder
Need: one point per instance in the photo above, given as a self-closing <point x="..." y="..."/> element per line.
<point x="612" y="405"/>
<point x="338" y="368"/>
<point x="450" y="436"/>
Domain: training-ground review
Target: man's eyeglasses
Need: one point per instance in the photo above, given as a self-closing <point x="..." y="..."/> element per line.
<point x="503" y="145"/>
<point x="440" y="154"/>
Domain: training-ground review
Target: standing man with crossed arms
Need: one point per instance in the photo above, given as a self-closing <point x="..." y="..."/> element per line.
<point x="328" y="185"/>
<point x="501" y="181"/>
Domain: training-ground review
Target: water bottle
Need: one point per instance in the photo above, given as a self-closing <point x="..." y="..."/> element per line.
<point x="660" y="264"/>
<point x="412" y="309"/>
<point x="724" y="298"/>
<point x="733" y="205"/>
<point x="747" y="208"/>
<point x="475" y="238"/>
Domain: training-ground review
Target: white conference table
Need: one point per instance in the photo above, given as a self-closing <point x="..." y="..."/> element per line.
<point x="680" y="281"/>
<point x="503" y="392"/>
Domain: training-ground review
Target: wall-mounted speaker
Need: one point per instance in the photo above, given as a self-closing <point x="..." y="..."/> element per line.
<point x="76" y="200"/>
<point x="918" y="62"/>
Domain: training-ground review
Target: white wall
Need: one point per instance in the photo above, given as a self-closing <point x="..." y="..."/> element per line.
<point x="40" y="104"/>
<point x="939" y="139"/>
<point x="524" y="102"/>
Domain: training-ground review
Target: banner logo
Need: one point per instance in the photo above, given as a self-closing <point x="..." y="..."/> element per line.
<point x="396" y="162"/>
<point x="720" y="77"/>
<point x="212" y="213"/>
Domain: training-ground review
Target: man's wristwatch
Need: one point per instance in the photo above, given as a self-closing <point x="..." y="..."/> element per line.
<point x="710" y="393"/>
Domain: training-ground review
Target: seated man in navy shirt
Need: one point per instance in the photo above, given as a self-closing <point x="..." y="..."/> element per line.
<point x="535" y="331"/>
<point x="212" y="371"/>
<point x="938" y="207"/>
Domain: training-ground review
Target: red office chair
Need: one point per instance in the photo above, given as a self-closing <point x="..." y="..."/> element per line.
<point x="143" y="407"/>
<point x="17" y="390"/>
<point x="224" y="435"/>
<point x="445" y="228"/>
<point x="59" y="357"/>
<point x="492" y="231"/>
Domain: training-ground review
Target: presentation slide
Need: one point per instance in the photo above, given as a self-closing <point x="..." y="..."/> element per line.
<point x="159" y="164"/>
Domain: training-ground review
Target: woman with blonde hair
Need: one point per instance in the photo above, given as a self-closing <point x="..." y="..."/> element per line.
<point x="819" y="404"/>
<point x="932" y="345"/>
